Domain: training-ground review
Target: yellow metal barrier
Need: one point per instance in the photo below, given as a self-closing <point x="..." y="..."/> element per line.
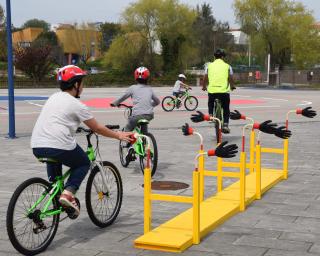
<point x="194" y="200"/>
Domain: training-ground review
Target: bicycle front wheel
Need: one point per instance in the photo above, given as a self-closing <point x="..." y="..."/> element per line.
<point x="191" y="103"/>
<point x="168" y="103"/>
<point x="28" y="232"/>
<point x="154" y="155"/>
<point x="104" y="194"/>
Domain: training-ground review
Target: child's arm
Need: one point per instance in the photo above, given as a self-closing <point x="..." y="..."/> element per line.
<point x="155" y="100"/>
<point x="183" y="85"/>
<point x="127" y="94"/>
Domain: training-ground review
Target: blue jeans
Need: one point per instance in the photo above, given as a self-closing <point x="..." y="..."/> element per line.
<point x="76" y="159"/>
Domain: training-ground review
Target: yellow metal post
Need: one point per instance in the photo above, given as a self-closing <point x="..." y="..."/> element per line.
<point x="258" y="171"/>
<point x="242" y="181"/>
<point x="147" y="200"/>
<point x="252" y="148"/>
<point x="285" y="158"/>
<point x="219" y="174"/>
<point x="196" y="207"/>
<point x="201" y="172"/>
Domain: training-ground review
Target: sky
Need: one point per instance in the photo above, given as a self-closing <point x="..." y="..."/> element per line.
<point x="70" y="11"/>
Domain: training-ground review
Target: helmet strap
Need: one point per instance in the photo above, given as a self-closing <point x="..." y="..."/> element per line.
<point x="77" y="91"/>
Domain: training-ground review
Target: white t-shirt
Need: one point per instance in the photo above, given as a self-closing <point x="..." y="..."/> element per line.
<point x="177" y="86"/>
<point x="58" y="121"/>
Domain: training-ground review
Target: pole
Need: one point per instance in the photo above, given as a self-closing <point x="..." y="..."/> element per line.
<point x="268" y="74"/>
<point x="12" y="129"/>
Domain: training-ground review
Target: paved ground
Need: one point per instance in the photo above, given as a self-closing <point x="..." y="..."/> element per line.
<point x="285" y="222"/>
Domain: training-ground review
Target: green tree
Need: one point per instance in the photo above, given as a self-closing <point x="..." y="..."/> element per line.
<point x="142" y="17"/>
<point x="3" y="39"/>
<point x="282" y="28"/>
<point x="35" y="23"/>
<point x="164" y="21"/>
<point x="174" y="29"/>
<point x="109" y="31"/>
<point x="126" y="52"/>
<point x="210" y="33"/>
<point x="2" y="17"/>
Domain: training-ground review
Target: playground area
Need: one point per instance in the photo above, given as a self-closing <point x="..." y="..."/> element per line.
<point x="285" y="221"/>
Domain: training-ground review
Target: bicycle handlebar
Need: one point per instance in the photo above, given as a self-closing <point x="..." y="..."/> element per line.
<point x="122" y="105"/>
<point x="109" y="126"/>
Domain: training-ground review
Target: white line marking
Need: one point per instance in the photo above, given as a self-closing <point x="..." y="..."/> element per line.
<point x="274" y="99"/>
<point x="35" y="104"/>
<point x="305" y="103"/>
<point x="5" y="192"/>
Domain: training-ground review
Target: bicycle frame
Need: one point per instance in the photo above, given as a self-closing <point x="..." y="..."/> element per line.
<point x="58" y="186"/>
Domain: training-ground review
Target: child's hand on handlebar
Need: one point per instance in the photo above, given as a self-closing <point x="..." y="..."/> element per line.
<point x="126" y="136"/>
<point x="113" y="105"/>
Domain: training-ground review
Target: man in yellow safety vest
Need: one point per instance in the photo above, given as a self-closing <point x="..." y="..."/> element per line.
<point x="218" y="81"/>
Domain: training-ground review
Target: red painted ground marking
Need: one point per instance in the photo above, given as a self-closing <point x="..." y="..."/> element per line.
<point x="246" y="102"/>
<point x="105" y="102"/>
<point x="101" y="102"/>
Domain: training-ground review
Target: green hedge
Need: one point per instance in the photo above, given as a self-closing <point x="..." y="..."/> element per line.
<point x="108" y="78"/>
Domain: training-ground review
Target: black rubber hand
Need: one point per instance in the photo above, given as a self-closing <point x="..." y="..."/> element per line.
<point x="226" y="151"/>
<point x="268" y="127"/>
<point x="309" y="112"/>
<point x="236" y="115"/>
<point x="186" y="129"/>
<point x="197" y="118"/>
<point x="282" y="132"/>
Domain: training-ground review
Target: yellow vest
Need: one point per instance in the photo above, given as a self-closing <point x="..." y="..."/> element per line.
<point x="218" y="75"/>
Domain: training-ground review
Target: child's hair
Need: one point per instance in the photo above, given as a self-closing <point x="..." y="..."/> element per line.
<point x="67" y="86"/>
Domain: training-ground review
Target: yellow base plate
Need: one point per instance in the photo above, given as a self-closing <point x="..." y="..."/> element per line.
<point x="175" y="235"/>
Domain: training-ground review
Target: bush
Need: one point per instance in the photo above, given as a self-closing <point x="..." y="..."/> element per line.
<point x="3" y="65"/>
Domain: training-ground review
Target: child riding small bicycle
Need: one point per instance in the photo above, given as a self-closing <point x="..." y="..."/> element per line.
<point x="178" y="87"/>
<point x="143" y="97"/>
<point x="53" y="133"/>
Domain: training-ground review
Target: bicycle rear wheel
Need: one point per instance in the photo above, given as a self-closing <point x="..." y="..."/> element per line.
<point x="218" y="113"/>
<point x="168" y="103"/>
<point x="28" y="233"/>
<point x="154" y="155"/>
<point x="104" y="197"/>
<point x="123" y="152"/>
<point x="191" y="103"/>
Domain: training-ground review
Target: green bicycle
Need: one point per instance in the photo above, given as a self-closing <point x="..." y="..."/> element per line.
<point x="129" y="152"/>
<point x="34" y="210"/>
<point x="190" y="102"/>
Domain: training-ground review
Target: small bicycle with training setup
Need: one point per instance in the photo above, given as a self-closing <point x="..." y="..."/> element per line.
<point x="129" y="152"/>
<point x="34" y="210"/>
<point x="190" y="102"/>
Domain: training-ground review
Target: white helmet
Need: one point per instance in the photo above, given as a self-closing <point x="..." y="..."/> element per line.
<point x="182" y="76"/>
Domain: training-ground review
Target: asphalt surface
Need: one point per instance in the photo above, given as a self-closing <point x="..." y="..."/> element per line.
<point x="286" y="221"/>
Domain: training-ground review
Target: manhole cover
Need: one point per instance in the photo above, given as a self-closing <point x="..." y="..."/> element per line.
<point x="168" y="185"/>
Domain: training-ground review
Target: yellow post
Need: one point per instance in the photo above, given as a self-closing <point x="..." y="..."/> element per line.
<point x="201" y="172"/>
<point x="258" y="171"/>
<point x="242" y="181"/>
<point x="196" y="207"/>
<point x="147" y="200"/>
<point x="252" y="147"/>
<point x="219" y="176"/>
<point x="285" y="158"/>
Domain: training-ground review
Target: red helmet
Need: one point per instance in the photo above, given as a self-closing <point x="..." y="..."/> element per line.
<point x="141" y="73"/>
<point x="67" y="73"/>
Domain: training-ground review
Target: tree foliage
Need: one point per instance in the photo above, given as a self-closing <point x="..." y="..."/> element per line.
<point x="2" y="17"/>
<point x="109" y="31"/>
<point x="210" y="33"/>
<point x="35" y="61"/>
<point x="126" y="52"/>
<point x="35" y="23"/>
<point x="165" y="32"/>
<point x="283" y="28"/>
<point x="3" y="38"/>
